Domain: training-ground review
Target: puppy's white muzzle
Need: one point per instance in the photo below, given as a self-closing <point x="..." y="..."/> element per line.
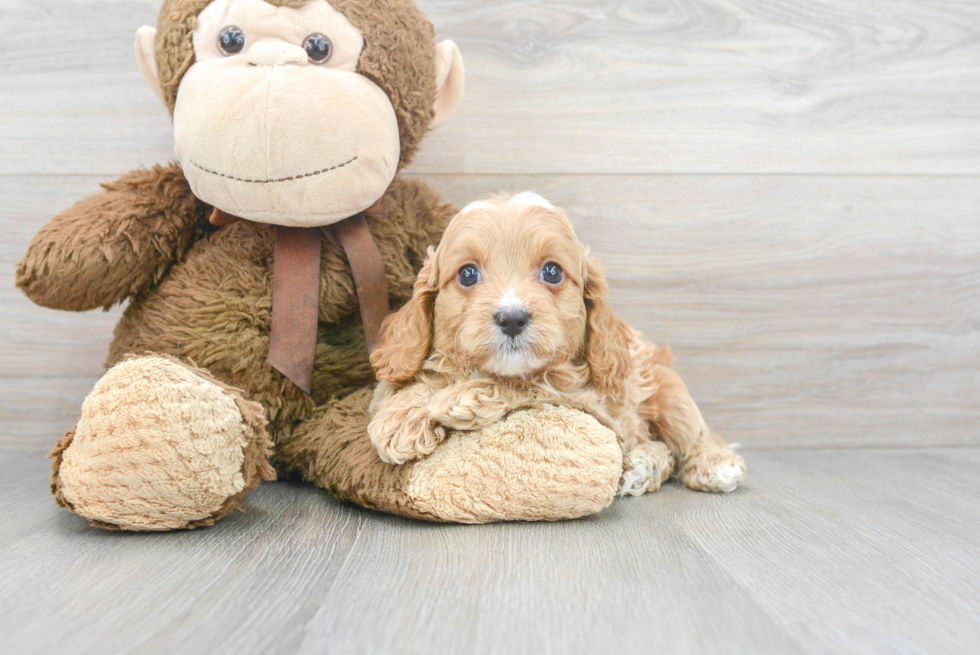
<point x="512" y="338"/>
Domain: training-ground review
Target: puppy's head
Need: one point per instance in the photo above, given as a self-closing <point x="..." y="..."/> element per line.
<point x="510" y="291"/>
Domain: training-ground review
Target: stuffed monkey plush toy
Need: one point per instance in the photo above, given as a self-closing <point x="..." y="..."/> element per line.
<point x="257" y="271"/>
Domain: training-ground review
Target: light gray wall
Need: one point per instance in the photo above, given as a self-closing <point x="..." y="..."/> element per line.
<point x="786" y="192"/>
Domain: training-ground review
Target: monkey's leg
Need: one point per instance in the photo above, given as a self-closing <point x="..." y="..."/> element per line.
<point x="704" y="461"/>
<point x="161" y="445"/>
<point x="543" y="464"/>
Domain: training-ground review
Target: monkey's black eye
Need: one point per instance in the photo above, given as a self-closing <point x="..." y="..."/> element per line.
<point x="231" y="40"/>
<point x="468" y="275"/>
<point x="552" y="273"/>
<point x="318" y="48"/>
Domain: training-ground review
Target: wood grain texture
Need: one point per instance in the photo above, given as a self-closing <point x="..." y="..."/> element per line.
<point x="815" y="265"/>
<point x="621" y="86"/>
<point x="803" y="310"/>
<point x="820" y="552"/>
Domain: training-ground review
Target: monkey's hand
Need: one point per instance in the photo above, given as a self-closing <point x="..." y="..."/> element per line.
<point x="477" y="403"/>
<point x="114" y="244"/>
<point x="402" y="429"/>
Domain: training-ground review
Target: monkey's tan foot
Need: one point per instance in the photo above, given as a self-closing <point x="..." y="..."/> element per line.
<point x="545" y="464"/>
<point x="712" y="468"/>
<point x="161" y="445"/>
<point x="542" y="464"/>
<point x="653" y="464"/>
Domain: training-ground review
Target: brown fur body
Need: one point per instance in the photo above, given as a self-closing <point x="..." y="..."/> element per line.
<point x="215" y="307"/>
<point x="204" y="294"/>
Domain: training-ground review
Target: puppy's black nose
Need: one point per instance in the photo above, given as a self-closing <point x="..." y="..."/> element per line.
<point x="512" y="322"/>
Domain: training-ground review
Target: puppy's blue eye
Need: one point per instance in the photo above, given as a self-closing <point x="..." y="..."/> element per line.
<point x="552" y="273"/>
<point x="468" y="275"/>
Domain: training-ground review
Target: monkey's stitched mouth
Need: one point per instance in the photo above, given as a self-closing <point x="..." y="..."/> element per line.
<point x="282" y="179"/>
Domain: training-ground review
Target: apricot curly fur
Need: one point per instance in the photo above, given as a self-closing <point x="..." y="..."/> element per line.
<point x="446" y="365"/>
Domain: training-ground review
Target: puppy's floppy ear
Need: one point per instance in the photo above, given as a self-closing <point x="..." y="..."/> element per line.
<point x="406" y="335"/>
<point x="608" y="338"/>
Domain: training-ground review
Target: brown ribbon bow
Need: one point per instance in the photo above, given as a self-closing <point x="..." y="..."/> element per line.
<point x="296" y="289"/>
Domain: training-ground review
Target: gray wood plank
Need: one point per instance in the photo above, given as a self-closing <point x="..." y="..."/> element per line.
<point x="45" y="343"/>
<point x="627" y="577"/>
<point x="36" y="412"/>
<point x="26" y="511"/>
<point x="820" y="552"/>
<point x="803" y="310"/>
<point x="86" y="112"/>
<point x="239" y="587"/>
<point x="832" y="537"/>
<point x="621" y="86"/>
<point x="937" y="475"/>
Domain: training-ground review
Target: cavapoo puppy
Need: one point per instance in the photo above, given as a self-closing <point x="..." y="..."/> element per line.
<point x="510" y="312"/>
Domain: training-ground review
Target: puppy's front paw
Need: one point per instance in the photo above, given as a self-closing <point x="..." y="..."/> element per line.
<point x="652" y="466"/>
<point x="401" y="437"/>
<point x="462" y="413"/>
<point x="472" y="405"/>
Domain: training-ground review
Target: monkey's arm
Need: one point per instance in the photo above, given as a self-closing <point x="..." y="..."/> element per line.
<point x="112" y="245"/>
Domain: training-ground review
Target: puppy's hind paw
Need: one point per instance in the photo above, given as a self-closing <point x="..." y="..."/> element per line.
<point x="716" y="470"/>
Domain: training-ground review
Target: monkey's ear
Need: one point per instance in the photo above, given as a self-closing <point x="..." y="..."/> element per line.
<point x="147" y="58"/>
<point x="450" y="82"/>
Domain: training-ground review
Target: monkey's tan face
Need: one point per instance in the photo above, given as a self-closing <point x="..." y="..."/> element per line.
<point x="274" y="124"/>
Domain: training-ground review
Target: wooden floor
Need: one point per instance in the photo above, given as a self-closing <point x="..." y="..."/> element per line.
<point x="822" y="551"/>
<point x="786" y="191"/>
